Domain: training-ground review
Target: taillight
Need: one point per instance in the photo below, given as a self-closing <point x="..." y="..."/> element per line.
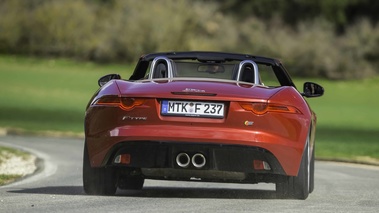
<point x="108" y="100"/>
<point x="130" y="103"/>
<point x="124" y="103"/>
<point x="262" y="108"/>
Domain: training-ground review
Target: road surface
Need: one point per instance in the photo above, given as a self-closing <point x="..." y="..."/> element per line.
<point x="57" y="187"/>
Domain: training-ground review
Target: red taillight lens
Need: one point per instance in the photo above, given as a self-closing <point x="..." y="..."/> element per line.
<point x="108" y="100"/>
<point x="122" y="102"/>
<point x="282" y="108"/>
<point x="256" y="108"/>
<point x="262" y="108"/>
<point x="130" y="103"/>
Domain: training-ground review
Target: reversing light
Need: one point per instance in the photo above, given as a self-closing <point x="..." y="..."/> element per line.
<point x="124" y="103"/>
<point x="122" y="159"/>
<point x="262" y="108"/>
<point x="261" y="165"/>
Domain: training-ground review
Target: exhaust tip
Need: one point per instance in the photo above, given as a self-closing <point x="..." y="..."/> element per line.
<point x="198" y="160"/>
<point x="183" y="160"/>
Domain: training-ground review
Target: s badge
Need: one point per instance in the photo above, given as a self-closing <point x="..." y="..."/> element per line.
<point x="249" y="123"/>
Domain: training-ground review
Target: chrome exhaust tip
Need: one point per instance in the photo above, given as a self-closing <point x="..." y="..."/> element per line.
<point x="198" y="160"/>
<point x="183" y="160"/>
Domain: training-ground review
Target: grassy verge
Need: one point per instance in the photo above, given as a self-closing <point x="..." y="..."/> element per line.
<point x="5" y="179"/>
<point x="39" y="95"/>
<point x="5" y="154"/>
<point x="348" y="120"/>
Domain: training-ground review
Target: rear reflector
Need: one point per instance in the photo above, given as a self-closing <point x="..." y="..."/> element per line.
<point x="122" y="159"/>
<point x="261" y="165"/>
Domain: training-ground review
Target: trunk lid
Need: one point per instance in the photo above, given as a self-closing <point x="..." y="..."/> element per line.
<point x="196" y="89"/>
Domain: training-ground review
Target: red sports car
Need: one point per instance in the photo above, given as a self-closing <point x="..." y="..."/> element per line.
<point x="202" y="116"/>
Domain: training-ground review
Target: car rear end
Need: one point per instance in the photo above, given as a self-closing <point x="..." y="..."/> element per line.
<point x="197" y="129"/>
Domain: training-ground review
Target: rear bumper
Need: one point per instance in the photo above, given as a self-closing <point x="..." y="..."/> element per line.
<point x="162" y="156"/>
<point x="227" y="149"/>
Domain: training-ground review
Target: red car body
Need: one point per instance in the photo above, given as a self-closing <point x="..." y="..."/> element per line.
<point x="198" y="116"/>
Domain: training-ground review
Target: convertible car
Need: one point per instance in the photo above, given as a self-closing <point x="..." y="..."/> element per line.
<point x="201" y="116"/>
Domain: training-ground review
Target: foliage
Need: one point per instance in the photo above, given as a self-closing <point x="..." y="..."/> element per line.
<point x="121" y="31"/>
<point x="340" y="13"/>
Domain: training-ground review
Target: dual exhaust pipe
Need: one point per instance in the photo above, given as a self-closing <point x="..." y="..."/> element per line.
<point x="198" y="160"/>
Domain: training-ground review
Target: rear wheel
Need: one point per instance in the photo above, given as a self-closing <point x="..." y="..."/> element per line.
<point x="297" y="187"/>
<point x="98" y="181"/>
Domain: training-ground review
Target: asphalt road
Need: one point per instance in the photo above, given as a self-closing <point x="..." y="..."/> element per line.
<point x="57" y="187"/>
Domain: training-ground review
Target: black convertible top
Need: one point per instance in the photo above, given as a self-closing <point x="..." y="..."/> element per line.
<point x="206" y="56"/>
<point x="211" y="56"/>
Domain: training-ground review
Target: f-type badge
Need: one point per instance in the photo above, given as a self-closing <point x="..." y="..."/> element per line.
<point x="193" y="90"/>
<point x="130" y="118"/>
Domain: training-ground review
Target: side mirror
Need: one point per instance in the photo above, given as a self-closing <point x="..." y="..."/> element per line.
<point x="312" y="90"/>
<point x="105" y="79"/>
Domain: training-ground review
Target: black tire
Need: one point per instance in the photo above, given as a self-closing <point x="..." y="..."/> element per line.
<point x="98" y="181"/>
<point x="297" y="187"/>
<point x="131" y="182"/>
<point x="312" y="172"/>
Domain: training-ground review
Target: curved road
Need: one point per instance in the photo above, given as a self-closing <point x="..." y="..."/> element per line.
<point x="57" y="187"/>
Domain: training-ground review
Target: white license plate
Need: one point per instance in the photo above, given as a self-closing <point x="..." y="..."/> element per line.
<point x="192" y="108"/>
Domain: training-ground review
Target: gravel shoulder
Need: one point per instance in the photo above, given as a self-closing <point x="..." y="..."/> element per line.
<point x="15" y="164"/>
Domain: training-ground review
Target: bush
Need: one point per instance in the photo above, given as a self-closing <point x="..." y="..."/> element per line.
<point x="313" y="49"/>
<point x="131" y="28"/>
<point x="122" y="30"/>
<point x="12" y="21"/>
<point x="61" y="28"/>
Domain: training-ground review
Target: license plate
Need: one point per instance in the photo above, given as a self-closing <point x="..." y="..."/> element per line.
<point x="192" y="109"/>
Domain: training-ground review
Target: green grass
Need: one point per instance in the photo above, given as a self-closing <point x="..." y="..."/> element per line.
<point x="348" y="119"/>
<point x="52" y="94"/>
<point x="4" y="179"/>
<point x="48" y="94"/>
